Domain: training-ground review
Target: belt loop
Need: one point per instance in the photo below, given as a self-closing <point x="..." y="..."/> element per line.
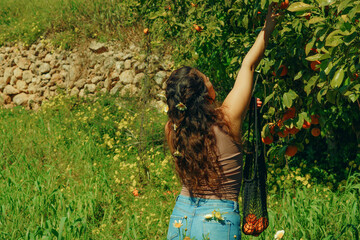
<point x="236" y="206"/>
<point x="197" y="202"/>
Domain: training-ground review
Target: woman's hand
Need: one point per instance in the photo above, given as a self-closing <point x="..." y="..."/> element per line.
<point x="271" y="17"/>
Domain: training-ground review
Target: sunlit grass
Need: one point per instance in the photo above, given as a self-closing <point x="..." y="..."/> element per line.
<point x="70" y="170"/>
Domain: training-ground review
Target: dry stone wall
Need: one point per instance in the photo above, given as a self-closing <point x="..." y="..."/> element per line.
<point x="30" y="75"/>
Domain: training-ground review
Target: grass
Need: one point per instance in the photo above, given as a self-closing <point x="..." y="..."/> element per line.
<point x="69" y="171"/>
<point x="67" y="21"/>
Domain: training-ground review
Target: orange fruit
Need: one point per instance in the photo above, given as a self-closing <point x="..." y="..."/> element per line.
<point x="314" y="65"/>
<point x="283" y="71"/>
<point x="248" y="228"/>
<point x="261" y="225"/>
<point x="315" y="119"/>
<point x="306" y="124"/>
<point x="289" y="114"/>
<point x="284" y="4"/>
<point x="291" y="150"/>
<point x="315" y="132"/>
<point x="272" y="128"/>
<point x="267" y="140"/>
<point x="356" y="76"/>
<point x="193" y="4"/>
<point x="314" y="50"/>
<point x="251" y="218"/>
<point x="135" y="192"/>
<point x="197" y="28"/>
<point x="293" y="130"/>
<point x="283" y="134"/>
<point x="258" y="12"/>
<point x="146" y="31"/>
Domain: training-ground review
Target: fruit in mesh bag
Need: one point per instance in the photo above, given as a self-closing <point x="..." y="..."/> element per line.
<point x="251" y="218"/>
<point x="261" y="225"/>
<point x="248" y="228"/>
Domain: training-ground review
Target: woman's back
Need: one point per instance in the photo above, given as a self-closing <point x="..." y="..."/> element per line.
<point x="230" y="160"/>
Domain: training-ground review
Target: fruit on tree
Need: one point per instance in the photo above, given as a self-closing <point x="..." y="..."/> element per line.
<point x="291" y="150"/>
<point x="272" y="128"/>
<point x="283" y="134"/>
<point x="284" y="4"/>
<point x="293" y="130"/>
<point x="356" y="76"/>
<point x="315" y="132"/>
<point x="197" y="27"/>
<point x="314" y="50"/>
<point x="315" y="119"/>
<point x="267" y="140"/>
<point x="146" y="31"/>
<point x="314" y="65"/>
<point x="306" y="124"/>
<point x="307" y="16"/>
<point x="193" y="4"/>
<point x="289" y="114"/>
<point x="283" y="71"/>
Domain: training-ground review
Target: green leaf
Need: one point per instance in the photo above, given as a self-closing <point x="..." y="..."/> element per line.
<point x="288" y="98"/>
<point x="344" y="4"/>
<point x="353" y="97"/>
<point x="314" y="57"/>
<point x="309" y="46"/>
<point x="269" y="97"/>
<point x="321" y="93"/>
<point x="338" y="78"/>
<point x="333" y="41"/>
<point x="310" y="84"/>
<point x="299" y="6"/>
<point x="328" y="68"/>
<point x="301" y="117"/>
<point x="298" y="75"/>
<point x="331" y="96"/>
<point x="323" y="3"/>
<point x="245" y="21"/>
<point x="316" y="20"/>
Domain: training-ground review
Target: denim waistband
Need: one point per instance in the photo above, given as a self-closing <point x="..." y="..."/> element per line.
<point x="196" y="201"/>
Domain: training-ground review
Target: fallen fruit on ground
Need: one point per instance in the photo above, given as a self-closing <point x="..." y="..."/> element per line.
<point x="146" y="31"/>
<point x="291" y="150"/>
<point x="197" y="28"/>
<point x="315" y="132"/>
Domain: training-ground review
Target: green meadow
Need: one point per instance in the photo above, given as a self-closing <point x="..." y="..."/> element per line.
<point x="69" y="171"/>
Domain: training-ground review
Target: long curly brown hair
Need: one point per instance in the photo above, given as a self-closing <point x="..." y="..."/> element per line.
<point x="193" y="137"/>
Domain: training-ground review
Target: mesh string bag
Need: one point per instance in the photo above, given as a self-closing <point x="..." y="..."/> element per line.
<point x="255" y="215"/>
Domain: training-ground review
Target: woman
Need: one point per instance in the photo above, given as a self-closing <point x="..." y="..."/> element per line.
<point x="204" y="141"/>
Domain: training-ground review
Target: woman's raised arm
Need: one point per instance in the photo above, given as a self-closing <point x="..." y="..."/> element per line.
<point x="237" y="101"/>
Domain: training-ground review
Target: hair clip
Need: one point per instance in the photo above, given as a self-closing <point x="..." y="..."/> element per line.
<point x="174" y="126"/>
<point x="177" y="153"/>
<point x="181" y="106"/>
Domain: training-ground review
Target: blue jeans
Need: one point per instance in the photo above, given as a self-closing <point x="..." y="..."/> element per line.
<point x="201" y="218"/>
